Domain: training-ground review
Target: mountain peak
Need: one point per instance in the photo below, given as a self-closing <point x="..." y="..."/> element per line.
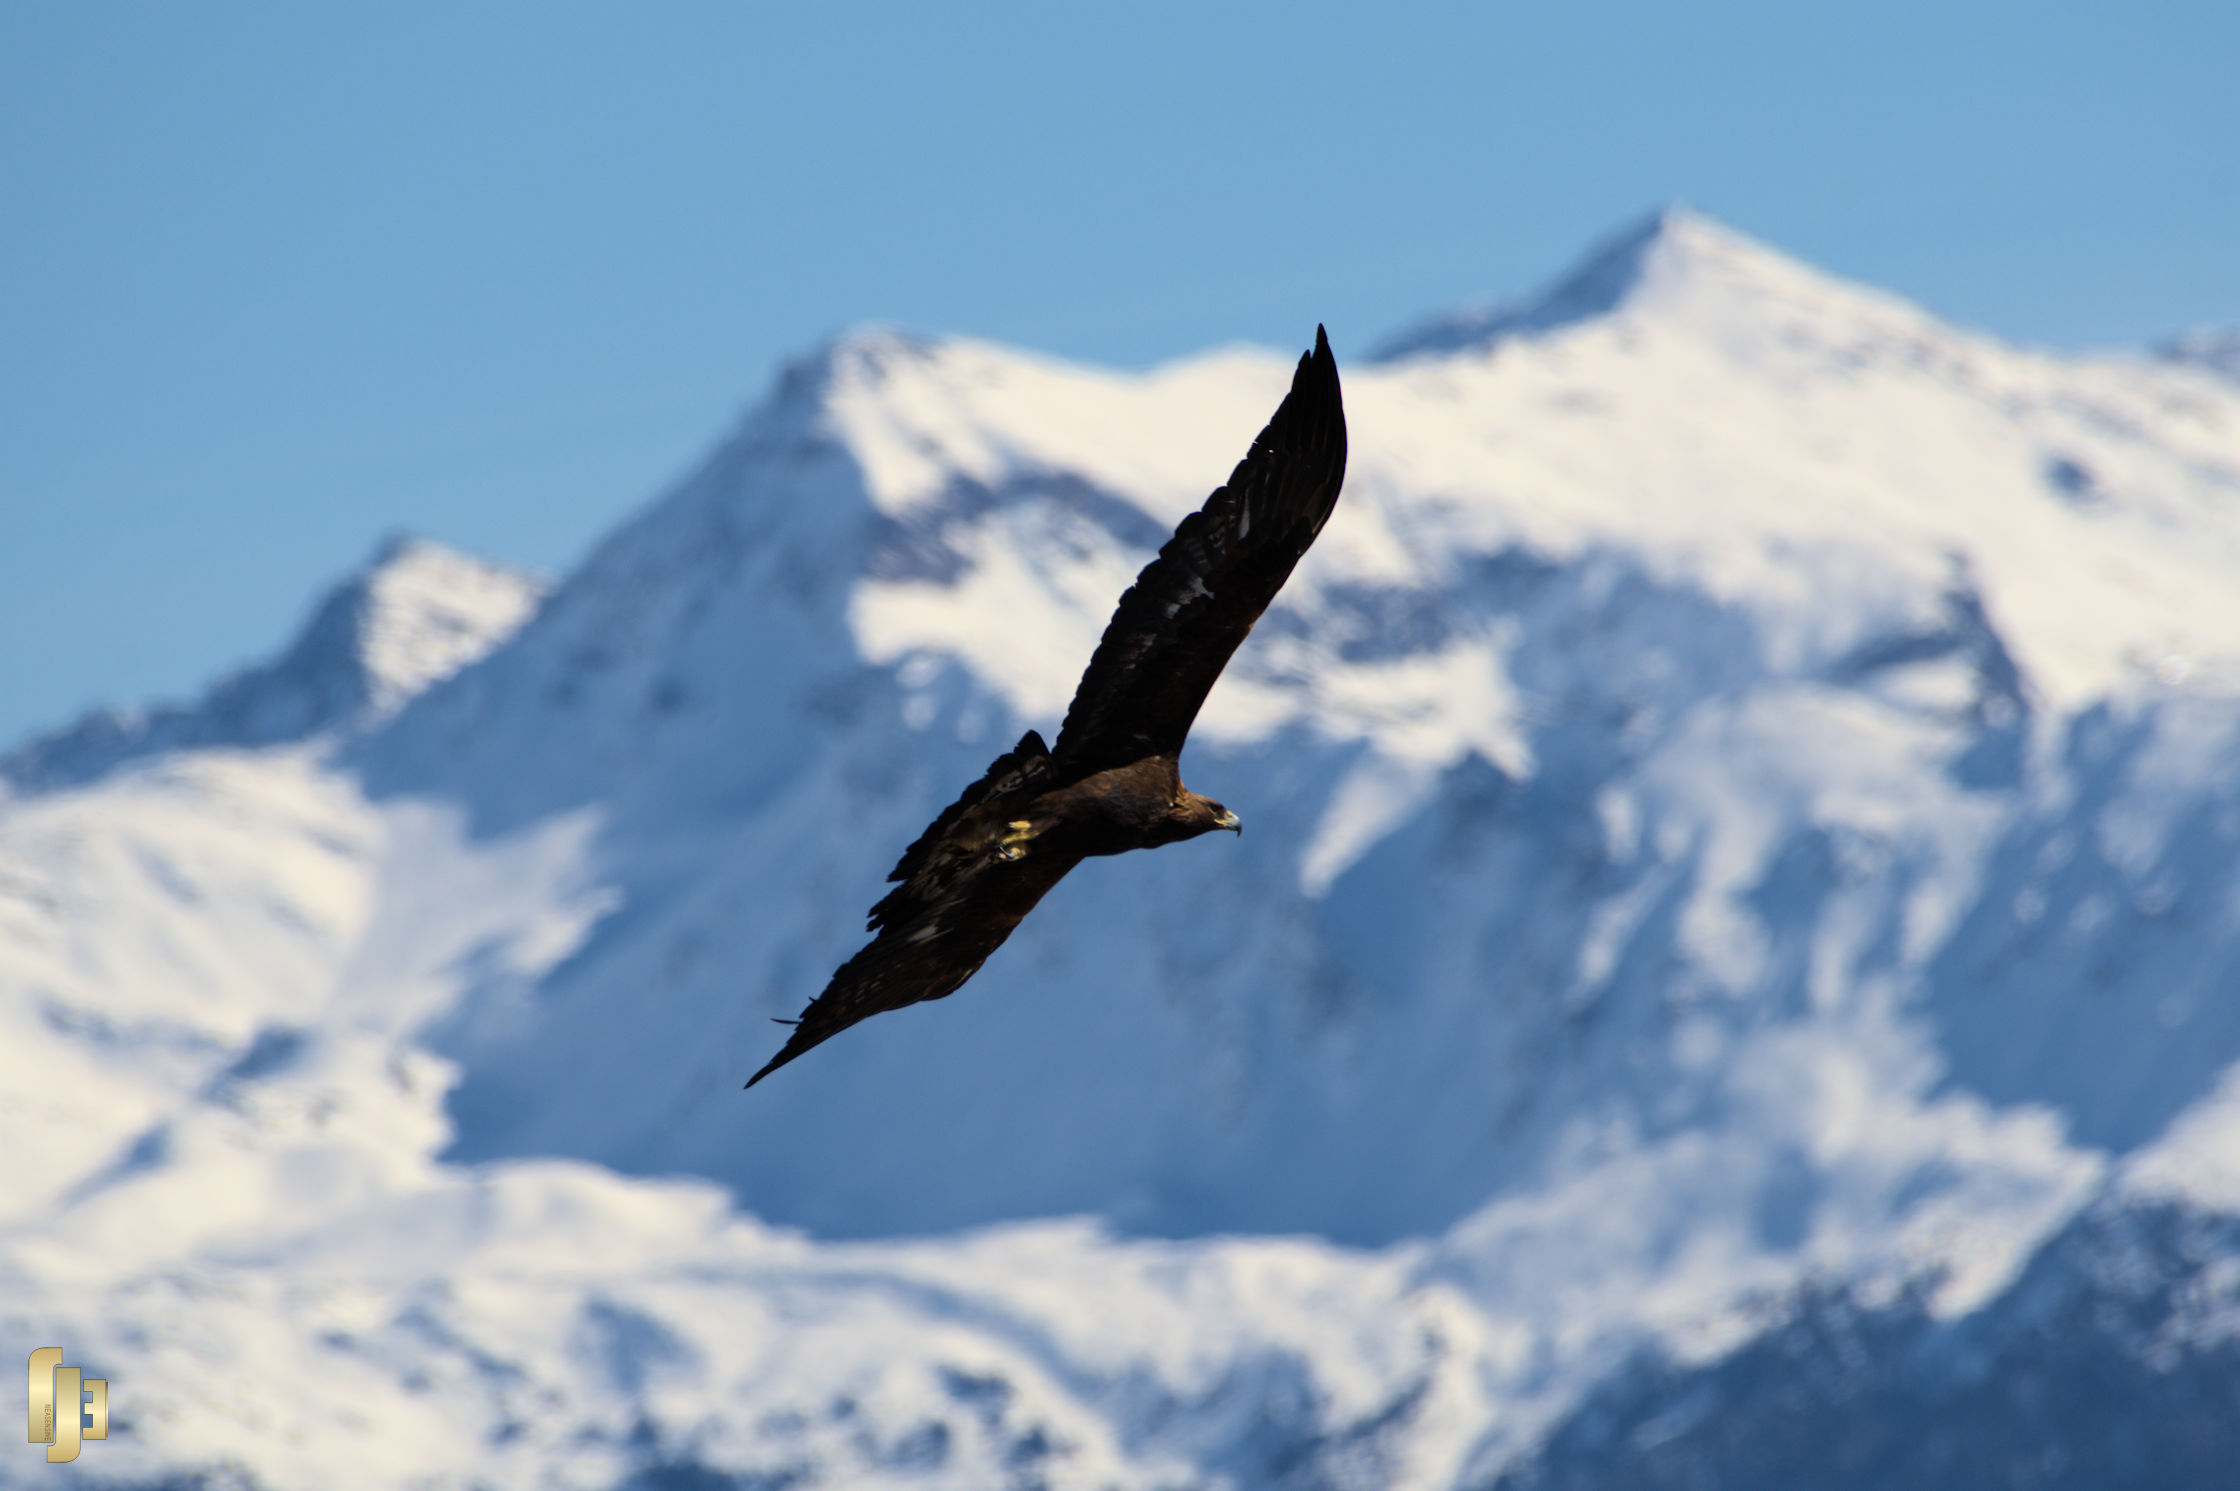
<point x="414" y="615"/>
<point x="1671" y="253"/>
<point x="864" y="354"/>
<point x="419" y="612"/>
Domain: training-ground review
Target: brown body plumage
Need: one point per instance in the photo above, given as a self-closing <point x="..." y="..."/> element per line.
<point x="1112" y="783"/>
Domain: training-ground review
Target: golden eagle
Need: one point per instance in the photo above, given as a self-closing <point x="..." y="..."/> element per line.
<point x="1112" y="784"/>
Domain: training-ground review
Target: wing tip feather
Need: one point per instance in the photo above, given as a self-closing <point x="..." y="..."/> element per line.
<point x="1317" y="378"/>
<point x="795" y="1045"/>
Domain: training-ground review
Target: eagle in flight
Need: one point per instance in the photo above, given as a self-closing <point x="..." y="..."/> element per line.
<point x="1112" y="782"/>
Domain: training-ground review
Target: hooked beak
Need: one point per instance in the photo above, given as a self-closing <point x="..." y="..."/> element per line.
<point x="1231" y="822"/>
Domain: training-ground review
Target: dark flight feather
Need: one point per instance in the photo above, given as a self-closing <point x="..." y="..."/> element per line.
<point x="1112" y="783"/>
<point x="1191" y="607"/>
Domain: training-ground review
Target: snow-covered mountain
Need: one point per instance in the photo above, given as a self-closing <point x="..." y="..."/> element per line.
<point x="2216" y="348"/>
<point x="417" y="614"/>
<point x="1733" y="976"/>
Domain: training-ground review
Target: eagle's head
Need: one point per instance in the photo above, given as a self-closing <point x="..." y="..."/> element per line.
<point x="1193" y="815"/>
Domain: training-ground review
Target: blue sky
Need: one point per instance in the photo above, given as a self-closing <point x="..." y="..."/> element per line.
<point x="278" y="279"/>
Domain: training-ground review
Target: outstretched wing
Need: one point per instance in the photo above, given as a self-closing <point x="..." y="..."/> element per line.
<point x="968" y="880"/>
<point x="1190" y="608"/>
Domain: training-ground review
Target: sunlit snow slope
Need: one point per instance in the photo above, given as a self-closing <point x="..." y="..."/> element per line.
<point x="420" y="612"/>
<point x="1735" y="950"/>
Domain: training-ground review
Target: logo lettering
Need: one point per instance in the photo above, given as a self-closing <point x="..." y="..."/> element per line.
<point x="59" y="1415"/>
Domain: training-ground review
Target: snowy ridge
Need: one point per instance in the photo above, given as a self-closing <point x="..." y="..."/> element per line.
<point x="1620" y="267"/>
<point x="416" y="614"/>
<point x="1671" y="259"/>
<point x="1740" y="911"/>
<point x="2216" y="348"/>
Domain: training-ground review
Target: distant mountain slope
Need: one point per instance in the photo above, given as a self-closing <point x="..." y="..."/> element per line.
<point x="2216" y="348"/>
<point x="1730" y="978"/>
<point x="417" y="614"/>
<point x="1667" y="685"/>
